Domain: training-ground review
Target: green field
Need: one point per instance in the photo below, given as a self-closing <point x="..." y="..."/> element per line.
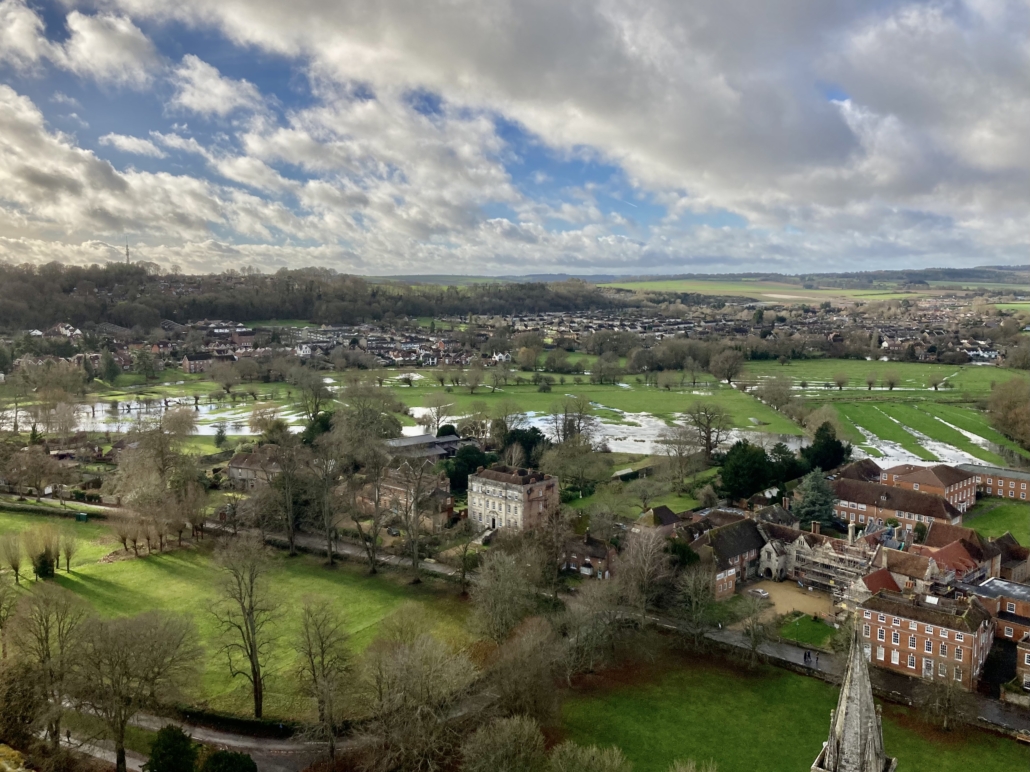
<point x="993" y="517"/>
<point x="874" y="420"/>
<point x="185" y="580"/>
<point x="768" y="720"/>
<point x="760" y="290"/>
<point x="803" y="629"/>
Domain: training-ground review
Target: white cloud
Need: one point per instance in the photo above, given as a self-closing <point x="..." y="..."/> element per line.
<point x="22" y="42"/>
<point x="109" y="49"/>
<point x="133" y="145"/>
<point x="203" y="89"/>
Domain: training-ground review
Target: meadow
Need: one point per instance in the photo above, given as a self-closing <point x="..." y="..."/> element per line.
<point x="770" y="720"/>
<point x="185" y="581"/>
<point x="992" y="517"/>
<point x="760" y="290"/>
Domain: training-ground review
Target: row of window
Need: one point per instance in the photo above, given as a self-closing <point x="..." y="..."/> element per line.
<point x="896" y="622"/>
<point x="928" y="668"/>
<point x="1001" y="483"/>
<point x="942" y="648"/>
<point x="494" y="506"/>
<point x="1012" y="494"/>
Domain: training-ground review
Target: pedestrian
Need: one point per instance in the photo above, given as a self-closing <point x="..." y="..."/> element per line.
<point x="817" y="660"/>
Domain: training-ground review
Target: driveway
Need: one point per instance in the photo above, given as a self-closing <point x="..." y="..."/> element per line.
<point x="787" y="597"/>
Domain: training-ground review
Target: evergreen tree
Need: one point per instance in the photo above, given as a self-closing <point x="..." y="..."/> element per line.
<point x="745" y="470"/>
<point x="172" y="751"/>
<point x="826" y="451"/>
<point x="816" y="499"/>
<point x="228" y="761"/>
<point x="109" y="368"/>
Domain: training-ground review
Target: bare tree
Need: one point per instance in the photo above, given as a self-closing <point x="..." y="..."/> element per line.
<point x="418" y="476"/>
<point x="945" y="702"/>
<point x="710" y="423"/>
<point x="754" y="627"/>
<point x="726" y="365"/>
<point x="69" y="548"/>
<point x="246" y="612"/>
<point x="33" y="468"/>
<point x="513" y="744"/>
<point x="891" y="378"/>
<point x="410" y="684"/>
<point x="370" y="515"/>
<point x="870" y="380"/>
<point x="438" y="407"/>
<point x="934" y="381"/>
<point x="467" y="532"/>
<point x="646" y="490"/>
<point x="695" y="593"/>
<point x="127" y="665"/>
<point x="474" y="377"/>
<point x="311" y="390"/>
<point x="291" y="459"/>
<point x="572" y="417"/>
<point x="324" y="662"/>
<point x="841" y="380"/>
<point x="8" y="602"/>
<point x="644" y="567"/>
<point x="508" y="416"/>
<point x="10" y="550"/>
<point x="501" y="598"/>
<point x="680" y="446"/>
<point x="327" y="467"/>
<point x="48" y="634"/>
<point x="693" y="368"/>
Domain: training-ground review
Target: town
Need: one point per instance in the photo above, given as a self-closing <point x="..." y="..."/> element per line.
<point x="826" y="490"/>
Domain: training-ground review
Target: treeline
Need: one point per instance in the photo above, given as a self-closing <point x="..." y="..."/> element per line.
<point x="137" y="295"/>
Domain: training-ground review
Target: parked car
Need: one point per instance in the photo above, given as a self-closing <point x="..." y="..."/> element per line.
<point x="393" y="531"/>
<point x="758" y="592"/>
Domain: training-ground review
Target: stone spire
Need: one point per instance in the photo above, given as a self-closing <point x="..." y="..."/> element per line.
<point x="856" y="738"/>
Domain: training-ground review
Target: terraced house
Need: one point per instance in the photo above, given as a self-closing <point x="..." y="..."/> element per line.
<point x="865" y="503"/>
<point x="935" y="638"/>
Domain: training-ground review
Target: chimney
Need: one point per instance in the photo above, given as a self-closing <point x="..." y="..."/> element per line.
<point x="851" y="533"/>
<point x="815" y="527"/>
<point x="479" y="469"/>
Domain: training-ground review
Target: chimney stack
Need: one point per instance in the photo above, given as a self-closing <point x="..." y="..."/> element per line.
<point x="851" y="533"/>
<point x="815" y="527"/>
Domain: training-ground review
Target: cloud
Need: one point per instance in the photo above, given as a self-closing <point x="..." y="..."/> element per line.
<point x="133" y="145"/>
<point x="202" y="89"/>
<point x="22" y="42"/>
<point x="109" y="49"/>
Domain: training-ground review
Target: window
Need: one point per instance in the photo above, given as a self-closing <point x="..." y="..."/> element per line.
<point x="1012" y="484"/>
<point x="960" y="637"/>
<point x="942" y="670"/>
<point x="912" y="661"/>
<point x="944" y="633"/>
<point x="895" y="621"/>
<point x="912" y="625"/>
<point x="867" y="614"/>
<point x="880" y="634"/>
<point x="865" y="631"/>
<point x="879" y="653"/>
<point x="915" y="486"/>
<point x="911" y="641"/>
<point x="944" y="649"/>
<point x="1010" y="607"/>
<point x="958" y="674"/>
<point x="1008" y="632"/>
<point x="929" y="630"/>
<point x="895" y="637"/>
<point x="1026" y="659"/>
<point x="881" y="618"/>
<point x="895" y="657"/>
<point x="978" y="478"/>
<point x="990" y="481"/>
<point x="928" y="647"/>
<point x="1023" y="486"/>
<point x="958" y="653"/>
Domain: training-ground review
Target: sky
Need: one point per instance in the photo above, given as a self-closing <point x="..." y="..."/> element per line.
<point x="502" y="137"/>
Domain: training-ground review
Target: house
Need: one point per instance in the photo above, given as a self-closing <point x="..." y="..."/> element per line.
<point x="953" y="484"/>
<point x="866" y="503"/>
<point x="589" y="556"/>
<point x="1023" y="662"/>
<point x="1009" y="604"/>
<point x="1015" y="559"/>
<point x="503" y="497"/>
<point x="911" y="572"/>
<point x="998" y="481"/>
<point x="954" y="546"/>
<point x="660" y="519"/>
<point x="412" y="482"/>
<point x="734" y="547"/>
<point x="922" y="635"/>
<point x="248" y="471"/>
<point x="867" y="586"/>
<point x="814" y="560"/>
<point x="864" y="469"/>
<point x="197" y="363"/>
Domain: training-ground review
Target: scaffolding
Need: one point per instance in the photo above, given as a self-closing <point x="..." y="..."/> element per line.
<point x="833" y="569"/>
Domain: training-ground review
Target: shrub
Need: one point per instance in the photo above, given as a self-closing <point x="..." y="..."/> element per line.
<point x="172" y="751"/>
<point x="228" y="761"/>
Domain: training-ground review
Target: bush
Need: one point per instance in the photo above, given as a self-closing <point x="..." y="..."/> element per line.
<point x="172" y="751"/>
<point x="228" y="761"/>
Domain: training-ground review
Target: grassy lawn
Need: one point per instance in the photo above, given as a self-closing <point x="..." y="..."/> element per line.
<point x="993" y="517"/>
<point x="975" y="422"/>
<point x="95" y="539"/>
<point x="803" y="629"/>
<point x="874" y="420"/>
<point x="769" y="720"/>
<point x="762" y="290"/>
<point x="185" y="581"/>
<point x="913" y="417"/>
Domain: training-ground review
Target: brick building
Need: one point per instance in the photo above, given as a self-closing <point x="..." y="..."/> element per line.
<point x="1009" y="604"/>
<point x="954" y="484"/>
<point x="1023" y="662"/>
<point x="934" y="638"/>
<point x="502" y="497"/>
<point x="997" y="481"/>
<point x="734" y="547"/>
<point x="197" y="363"/>
<point x="865" y="503"/>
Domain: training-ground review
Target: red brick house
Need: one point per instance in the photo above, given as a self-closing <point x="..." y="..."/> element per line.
<point x="1009" y="604"/>
<point x="590" y="557"/>
<point x="953" y="484"/>
<point x="865" y="503"/>
<point x="734" y="547"/>
<point x="998" y="481"/>
<point x="925" y="636"/>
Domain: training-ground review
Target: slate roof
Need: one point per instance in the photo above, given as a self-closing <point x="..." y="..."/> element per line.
<point x="865" y="469"/>
<point x="660" y="516"/>
<point x="994" y="471"/>
<point x="964" y="614"/>
<point x="940" y="475"/>
<point x="735" y="539"/>
<point x="509" y="476"/>
<point x="899" y="499"/>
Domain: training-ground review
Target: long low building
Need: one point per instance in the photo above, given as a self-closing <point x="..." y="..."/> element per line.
<point x="998" y="481"/>
<point x="865" y="503"/>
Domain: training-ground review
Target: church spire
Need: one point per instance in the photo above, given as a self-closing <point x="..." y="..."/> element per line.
<point x="856" y="738"/>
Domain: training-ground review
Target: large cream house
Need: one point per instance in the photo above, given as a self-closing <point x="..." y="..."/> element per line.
<point x="502" y="497"/>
